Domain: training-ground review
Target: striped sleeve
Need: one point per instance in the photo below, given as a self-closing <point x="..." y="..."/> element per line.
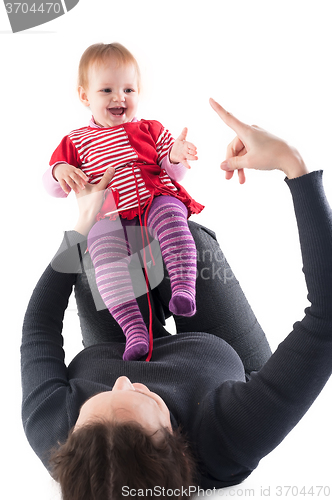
<point x="66" y="152"/>
<point x="163" y="144"/>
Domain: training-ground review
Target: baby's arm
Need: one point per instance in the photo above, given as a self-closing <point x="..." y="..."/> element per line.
<point x="51" y="184"/>
<point x="64" y="174"/>
<point x="176" y="171"/>
<point x="61" y="178"/>
<point x="70" y="177"/>
<point x="174" y="155"/>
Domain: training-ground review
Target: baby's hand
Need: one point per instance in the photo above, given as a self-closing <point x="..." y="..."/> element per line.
<point x="182" y="150"/>
<point x="70" y="178"/>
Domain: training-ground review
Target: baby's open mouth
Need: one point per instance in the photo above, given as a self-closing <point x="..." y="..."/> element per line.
<point x="117" y="111"/>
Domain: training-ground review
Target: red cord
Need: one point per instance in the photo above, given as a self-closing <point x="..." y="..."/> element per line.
<point x="145" y="272"/>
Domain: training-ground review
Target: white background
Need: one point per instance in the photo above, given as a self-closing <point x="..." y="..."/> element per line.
<point x="267" y="62"/>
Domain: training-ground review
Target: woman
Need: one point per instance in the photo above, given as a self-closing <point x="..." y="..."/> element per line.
<point x="232" y="401"/>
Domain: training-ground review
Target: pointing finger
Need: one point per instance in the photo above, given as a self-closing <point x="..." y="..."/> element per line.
<point x="230" y="120"/>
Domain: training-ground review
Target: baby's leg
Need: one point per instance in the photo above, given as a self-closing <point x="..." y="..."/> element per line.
<point x="168" y="220"/>
<point x="110" y="254"/>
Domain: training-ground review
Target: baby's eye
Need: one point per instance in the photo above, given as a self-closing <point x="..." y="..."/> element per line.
<point x="106" y="91"/>
<point x="128" y="91"/>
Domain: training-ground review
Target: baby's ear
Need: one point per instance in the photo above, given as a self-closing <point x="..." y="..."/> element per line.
<point x="83" y="96"/>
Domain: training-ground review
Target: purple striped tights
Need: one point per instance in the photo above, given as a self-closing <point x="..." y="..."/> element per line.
<point x="110" y="253"/>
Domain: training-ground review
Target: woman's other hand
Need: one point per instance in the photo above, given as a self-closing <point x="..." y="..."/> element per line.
<point x="90" y="201"/>
<point x="255" y="148"/>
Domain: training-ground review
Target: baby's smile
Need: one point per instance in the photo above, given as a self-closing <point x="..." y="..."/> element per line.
<point x="117" y="111"/>
<point x="112" y="94"/>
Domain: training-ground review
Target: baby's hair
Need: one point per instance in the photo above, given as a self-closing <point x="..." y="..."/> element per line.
<point x="100" y="53"/>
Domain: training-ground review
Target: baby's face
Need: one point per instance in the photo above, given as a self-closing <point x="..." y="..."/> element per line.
<point x="112" y="93"/>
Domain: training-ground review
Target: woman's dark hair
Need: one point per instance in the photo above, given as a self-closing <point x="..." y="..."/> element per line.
<point x="104" y="461"/>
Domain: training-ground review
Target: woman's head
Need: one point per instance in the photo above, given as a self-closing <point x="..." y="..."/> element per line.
<point x="103" y="461"/>
<point x="123" y="438"/>
<point x="127" y="402"/>
<point x="109" y="83"/>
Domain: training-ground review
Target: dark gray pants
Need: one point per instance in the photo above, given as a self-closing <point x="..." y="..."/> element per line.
<point x="222" y="308"/>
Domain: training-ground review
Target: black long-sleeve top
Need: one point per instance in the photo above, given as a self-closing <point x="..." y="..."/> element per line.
<point x="230" y="423"/>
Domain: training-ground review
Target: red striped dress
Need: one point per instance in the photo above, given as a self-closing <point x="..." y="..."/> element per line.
<point x="136" y="150"/>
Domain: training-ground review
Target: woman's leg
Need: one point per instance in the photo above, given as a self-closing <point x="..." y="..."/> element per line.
<point x="222" y="308"/>
<point x="110" y="254"/>
<point x="167" y="219"/>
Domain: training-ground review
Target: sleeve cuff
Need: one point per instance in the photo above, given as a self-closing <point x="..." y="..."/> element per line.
<point x="51" y="184"/>
<point x="176" y="171"/>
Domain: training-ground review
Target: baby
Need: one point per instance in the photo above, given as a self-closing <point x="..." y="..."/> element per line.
<point x="148" y="164"/>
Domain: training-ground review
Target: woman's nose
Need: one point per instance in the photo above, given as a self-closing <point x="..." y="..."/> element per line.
<point x="123" y="384"/>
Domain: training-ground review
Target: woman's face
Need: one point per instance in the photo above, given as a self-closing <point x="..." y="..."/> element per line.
<point x="127" y="402"/>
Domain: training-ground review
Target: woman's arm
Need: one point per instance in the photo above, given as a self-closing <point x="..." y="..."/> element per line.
<point x="255" y="417"/>
<point x="248" y="420"/>
<point x="43" y="370"/>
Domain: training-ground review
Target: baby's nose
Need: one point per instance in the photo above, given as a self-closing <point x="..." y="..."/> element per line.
<point x="118" y="96"/>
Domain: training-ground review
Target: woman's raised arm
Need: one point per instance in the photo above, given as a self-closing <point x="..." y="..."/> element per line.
<point x="253" y="418"/>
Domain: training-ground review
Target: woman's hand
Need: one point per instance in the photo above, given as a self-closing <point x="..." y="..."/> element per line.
<point x="256" y="148"/>
<point x="183" y="151"/>
<point x="90" y="201"/>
